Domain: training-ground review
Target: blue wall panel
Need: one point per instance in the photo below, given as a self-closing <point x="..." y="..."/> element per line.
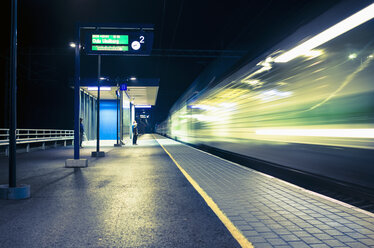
<point x="108" y="118"/>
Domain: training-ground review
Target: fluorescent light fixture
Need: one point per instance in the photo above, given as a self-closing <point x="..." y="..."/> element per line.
<point x="143" y="106"/>
<point x="133" y="78"/>
<point x="72" y="44"/>
<point x="338" y="133"/>
<point x="103" y="88"/>
<point x="347" y="24"/>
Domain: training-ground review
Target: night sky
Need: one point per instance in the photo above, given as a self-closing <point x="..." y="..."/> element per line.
<point x="46" y="62"/>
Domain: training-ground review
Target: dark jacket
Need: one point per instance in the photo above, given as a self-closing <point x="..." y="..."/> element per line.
<point x="135" y="130"/>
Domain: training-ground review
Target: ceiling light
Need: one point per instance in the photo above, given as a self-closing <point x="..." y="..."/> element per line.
<point x="143" y="106"/>
<point x="103" y="88"/>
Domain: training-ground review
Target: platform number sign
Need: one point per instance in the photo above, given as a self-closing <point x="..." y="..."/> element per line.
<point x="119" y="43"/>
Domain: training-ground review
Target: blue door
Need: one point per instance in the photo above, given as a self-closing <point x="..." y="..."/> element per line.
<point x="108" y="118"/>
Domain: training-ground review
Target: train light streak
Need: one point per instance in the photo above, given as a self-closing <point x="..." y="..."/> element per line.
<point x="344" y="26"/>
<point x="338" y="133"/>
<point x="352" y="56"/>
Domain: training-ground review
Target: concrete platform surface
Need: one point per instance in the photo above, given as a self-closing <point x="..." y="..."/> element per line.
<point x="133" y="197"/>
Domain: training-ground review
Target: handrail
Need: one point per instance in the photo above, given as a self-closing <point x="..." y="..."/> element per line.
<point x="35" y="134"/>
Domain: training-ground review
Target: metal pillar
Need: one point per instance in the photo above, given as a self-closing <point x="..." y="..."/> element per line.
<point x="13" y="191"/>
<point x="98" y="104"/>
<point x="77" y="94"/>
<point x="98" y="153"/>
<point x="13" y="99"/>
<point x="76" y="162"/>
<point x="117" y="144"/>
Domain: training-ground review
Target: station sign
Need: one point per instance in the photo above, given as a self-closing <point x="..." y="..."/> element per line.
<point x="119" y="42"/>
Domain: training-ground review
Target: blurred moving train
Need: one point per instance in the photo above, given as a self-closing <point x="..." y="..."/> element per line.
<point x="307" y="104"/>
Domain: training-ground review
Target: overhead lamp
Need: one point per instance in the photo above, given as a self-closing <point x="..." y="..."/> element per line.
<point x="143" y="106"/>
<point x="347" y="24"/>
<point x="103" y="78"/>
<point x="133" y="78"/>
<point x="72" y="44"/>
<point x="103" y="88"/>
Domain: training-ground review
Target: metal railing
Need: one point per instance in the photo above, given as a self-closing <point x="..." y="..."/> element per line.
<point x="35" y="136"/>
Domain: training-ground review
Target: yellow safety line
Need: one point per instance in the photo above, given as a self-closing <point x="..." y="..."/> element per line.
<point x="226" y="221"/>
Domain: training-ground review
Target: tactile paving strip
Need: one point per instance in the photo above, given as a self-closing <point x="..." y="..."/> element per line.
<point x="270" y="212"/>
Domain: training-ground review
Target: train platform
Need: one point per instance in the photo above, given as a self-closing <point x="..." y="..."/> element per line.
<point x="162" y="193"/>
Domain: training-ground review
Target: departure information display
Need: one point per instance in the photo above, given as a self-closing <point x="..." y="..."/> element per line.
<point x="119" y="43"/>
<point x="110" y="39"/>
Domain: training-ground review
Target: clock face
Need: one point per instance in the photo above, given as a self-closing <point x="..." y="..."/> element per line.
<point x="135" y="45"/>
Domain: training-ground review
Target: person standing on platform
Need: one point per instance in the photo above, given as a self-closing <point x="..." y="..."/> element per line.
<point x="134" y="133"/>
<point x="81" y="132"/>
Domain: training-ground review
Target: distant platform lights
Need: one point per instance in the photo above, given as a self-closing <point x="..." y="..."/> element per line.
<point x="102" y="88"/>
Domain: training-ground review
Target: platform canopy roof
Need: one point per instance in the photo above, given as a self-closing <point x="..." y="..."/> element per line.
<point x="142" y="91"/>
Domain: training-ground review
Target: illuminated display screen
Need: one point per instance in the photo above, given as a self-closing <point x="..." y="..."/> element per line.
<point x="110" y="39"/>
<point x="119" y="43"/>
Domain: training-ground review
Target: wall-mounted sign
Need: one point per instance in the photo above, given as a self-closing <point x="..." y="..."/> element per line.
<point x="123" y="87"/>
<point x="119" y="42"/>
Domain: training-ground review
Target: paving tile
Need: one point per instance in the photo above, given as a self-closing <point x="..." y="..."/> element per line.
<point x="371" y="236"/>
<point x="364" y="231"/>
<point x="276" y="241"/>
<point x="245" y="227"/>
<point x="262" y="229"/>
<point x="311" y="240"/>
<point x="257" y="239"/>
<point x="356" y="245"/>
<point x="313" y="230"/>
<point x="333" y="232"/>
<point x="344" y="238"/>
<point x="369" y="242"/>
<point x="270" y="235"/>
<point x="263" y="245"/>
<point x="320" y="246"/>
<point x="250" y="233"/>
<point x="333" y="242"/>
<point x="282" y="231"/>
<point x="302" y="234"/>
<point x="357" y="235"/>
<point x="298" y="244"/>
<point x="322" y="236"/>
